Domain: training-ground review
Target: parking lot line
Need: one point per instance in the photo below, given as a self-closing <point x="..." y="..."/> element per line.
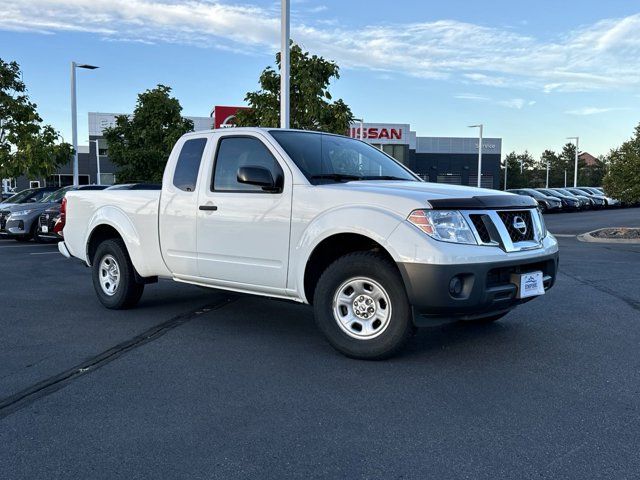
<point x="25" y="245"/>
<point x="44" y="253"/>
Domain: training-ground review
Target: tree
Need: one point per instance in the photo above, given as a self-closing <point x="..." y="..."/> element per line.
<point x="140" y="145"/>
<point x="621" y="180"/>
<point x="311" y="108"/>
<point x="567" y="161"/>
<point x="521" y="169"/>
<point x="550" y="158"/>
<point x="27" y="147"/>
<point x="592" y="175"/>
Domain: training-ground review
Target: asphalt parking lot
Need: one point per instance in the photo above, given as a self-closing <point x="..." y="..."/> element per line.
<point x="204" y="384"/>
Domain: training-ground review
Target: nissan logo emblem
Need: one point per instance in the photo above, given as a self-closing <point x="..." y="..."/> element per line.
<point x="520" y="225"/>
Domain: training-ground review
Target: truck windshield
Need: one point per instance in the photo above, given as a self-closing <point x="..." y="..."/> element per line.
<point x="325" y="158"/>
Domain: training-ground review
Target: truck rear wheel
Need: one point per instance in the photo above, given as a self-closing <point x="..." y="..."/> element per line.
<point x="114" y="277"/>
<point x="362" y="308"/>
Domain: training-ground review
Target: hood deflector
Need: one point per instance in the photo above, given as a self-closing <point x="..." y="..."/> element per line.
<point x="484" y="202"/>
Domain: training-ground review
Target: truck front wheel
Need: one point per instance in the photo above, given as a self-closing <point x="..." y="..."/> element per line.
<point x="362" y="308"/>
<point x="113" y="276"/>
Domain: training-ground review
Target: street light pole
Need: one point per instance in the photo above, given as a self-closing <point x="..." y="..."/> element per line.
<point x="479" y="126"/>
<point x="284" y="65"/>
<point x="575" y="166"/>
<point x="361" y="132"/>
<point x="74" y="118"/>
<point x="506" y="166"/>
<point x="74" y="124"/>
<point x="99" y="182"/>
<point x="547" y="182"/>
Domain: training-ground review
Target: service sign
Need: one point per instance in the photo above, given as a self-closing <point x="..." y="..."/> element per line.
<point x="381" y="133"/>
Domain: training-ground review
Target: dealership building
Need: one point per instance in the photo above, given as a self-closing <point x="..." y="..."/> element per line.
<point x="452" y="160"/>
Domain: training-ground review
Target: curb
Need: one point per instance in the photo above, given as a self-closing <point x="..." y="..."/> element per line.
<point x="588" y="237"/>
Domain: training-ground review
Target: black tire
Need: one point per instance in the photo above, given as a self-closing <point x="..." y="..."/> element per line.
<point x="127" y="291"/>
<point x="398" y="327"/>
<point x="26" y="238"/>
<point x="484" y="320"/>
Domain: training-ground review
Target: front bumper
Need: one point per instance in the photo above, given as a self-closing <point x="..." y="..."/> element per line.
<point x="18" y="228"/>
<point x="486" y="290"/>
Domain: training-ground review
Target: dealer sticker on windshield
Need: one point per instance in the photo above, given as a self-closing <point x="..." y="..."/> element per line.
<point x="529" y="284"/>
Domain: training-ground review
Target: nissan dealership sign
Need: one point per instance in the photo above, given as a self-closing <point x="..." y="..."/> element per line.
<point x="382" y="133"/>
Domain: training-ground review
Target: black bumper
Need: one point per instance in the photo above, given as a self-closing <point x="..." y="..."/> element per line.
<point x="486" y="287"/>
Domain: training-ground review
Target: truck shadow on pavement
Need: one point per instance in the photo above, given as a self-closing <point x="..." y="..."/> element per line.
<point x="268" y="324"/>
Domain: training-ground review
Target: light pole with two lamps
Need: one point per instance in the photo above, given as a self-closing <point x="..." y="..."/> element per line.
<point x="575" y="167"/>
<point x="74" y="117"/>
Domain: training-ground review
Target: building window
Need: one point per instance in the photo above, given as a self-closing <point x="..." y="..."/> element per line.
<point x="396" y="151"/>
<point x="485" y="182"/>
<point x="103" y="152"/>
<point x="450" y="178"/>
<point x="107" y="178"/>
<point x="64" y="180"/>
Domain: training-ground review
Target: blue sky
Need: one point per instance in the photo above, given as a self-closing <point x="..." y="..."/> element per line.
<point x="532" y="72"/>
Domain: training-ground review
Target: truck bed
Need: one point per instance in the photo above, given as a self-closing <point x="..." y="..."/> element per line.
<point x="132" y="213"/>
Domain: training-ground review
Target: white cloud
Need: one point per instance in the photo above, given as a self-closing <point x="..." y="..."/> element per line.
<point x="472" y="96"/>
<point x="602" y="55"/>
<point x="516" y="103"/>
<point x="593" y="110"/>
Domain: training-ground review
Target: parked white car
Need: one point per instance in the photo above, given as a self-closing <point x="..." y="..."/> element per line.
<point x="320" y="219"/>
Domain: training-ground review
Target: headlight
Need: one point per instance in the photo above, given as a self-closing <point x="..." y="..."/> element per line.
<point x="542" y="232"/>
<point x="20" y="213"/>
<point x="443" y="225"/>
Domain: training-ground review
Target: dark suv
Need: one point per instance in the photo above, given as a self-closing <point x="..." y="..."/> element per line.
<point x="545" y="202"/>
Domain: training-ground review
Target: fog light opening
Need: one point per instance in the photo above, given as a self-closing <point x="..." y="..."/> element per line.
<point x="456" y="286"/>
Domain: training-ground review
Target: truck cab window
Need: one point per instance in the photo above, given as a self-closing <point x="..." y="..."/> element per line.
<point x="236" y="152"/>
<point x="188" y="164"/>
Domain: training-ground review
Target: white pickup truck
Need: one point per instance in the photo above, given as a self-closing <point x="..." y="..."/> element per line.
<point x="320" y="219"/>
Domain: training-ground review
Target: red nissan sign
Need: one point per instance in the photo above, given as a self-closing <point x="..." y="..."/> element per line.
<point x="224" y="116"/>
<point x="381" y="133"/>
<point x="374" y="133"/>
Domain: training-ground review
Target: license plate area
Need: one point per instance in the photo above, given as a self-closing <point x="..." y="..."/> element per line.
<point x="530" y="284"/>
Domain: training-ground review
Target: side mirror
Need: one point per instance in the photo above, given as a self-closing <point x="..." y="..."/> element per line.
<point x="258" y="176"/>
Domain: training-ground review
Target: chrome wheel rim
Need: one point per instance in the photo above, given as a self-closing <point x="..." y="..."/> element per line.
<point x="109" y="273"/>
<point x="361" y="308"/>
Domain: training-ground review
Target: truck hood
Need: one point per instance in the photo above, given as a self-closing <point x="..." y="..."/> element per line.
<point x="35" y="206"/>
<point x="420" y="191"/>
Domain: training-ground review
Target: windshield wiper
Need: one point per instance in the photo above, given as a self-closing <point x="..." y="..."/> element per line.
<point x="384" y="177"/>
<point x="338" y="177"/>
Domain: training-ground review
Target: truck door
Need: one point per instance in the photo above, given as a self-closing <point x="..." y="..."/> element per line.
<point x="243" y="229"/>
<point x="179" y="205"/>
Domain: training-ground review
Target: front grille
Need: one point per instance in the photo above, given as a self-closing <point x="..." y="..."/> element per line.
<point x="4" y="215"/>
<point x="48" y="219"/>
<point x="510" y="218"/>
<point x="481" y="227"/>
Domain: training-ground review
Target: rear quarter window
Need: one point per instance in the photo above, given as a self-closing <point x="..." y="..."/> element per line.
<point x="185" y="176"/>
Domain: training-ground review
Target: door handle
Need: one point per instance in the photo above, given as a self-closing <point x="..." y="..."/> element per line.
<point x="208" y="208"/>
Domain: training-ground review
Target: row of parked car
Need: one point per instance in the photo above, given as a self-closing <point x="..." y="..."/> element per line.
<point x="568" y="199"/>
<point x="39" y="213"/>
